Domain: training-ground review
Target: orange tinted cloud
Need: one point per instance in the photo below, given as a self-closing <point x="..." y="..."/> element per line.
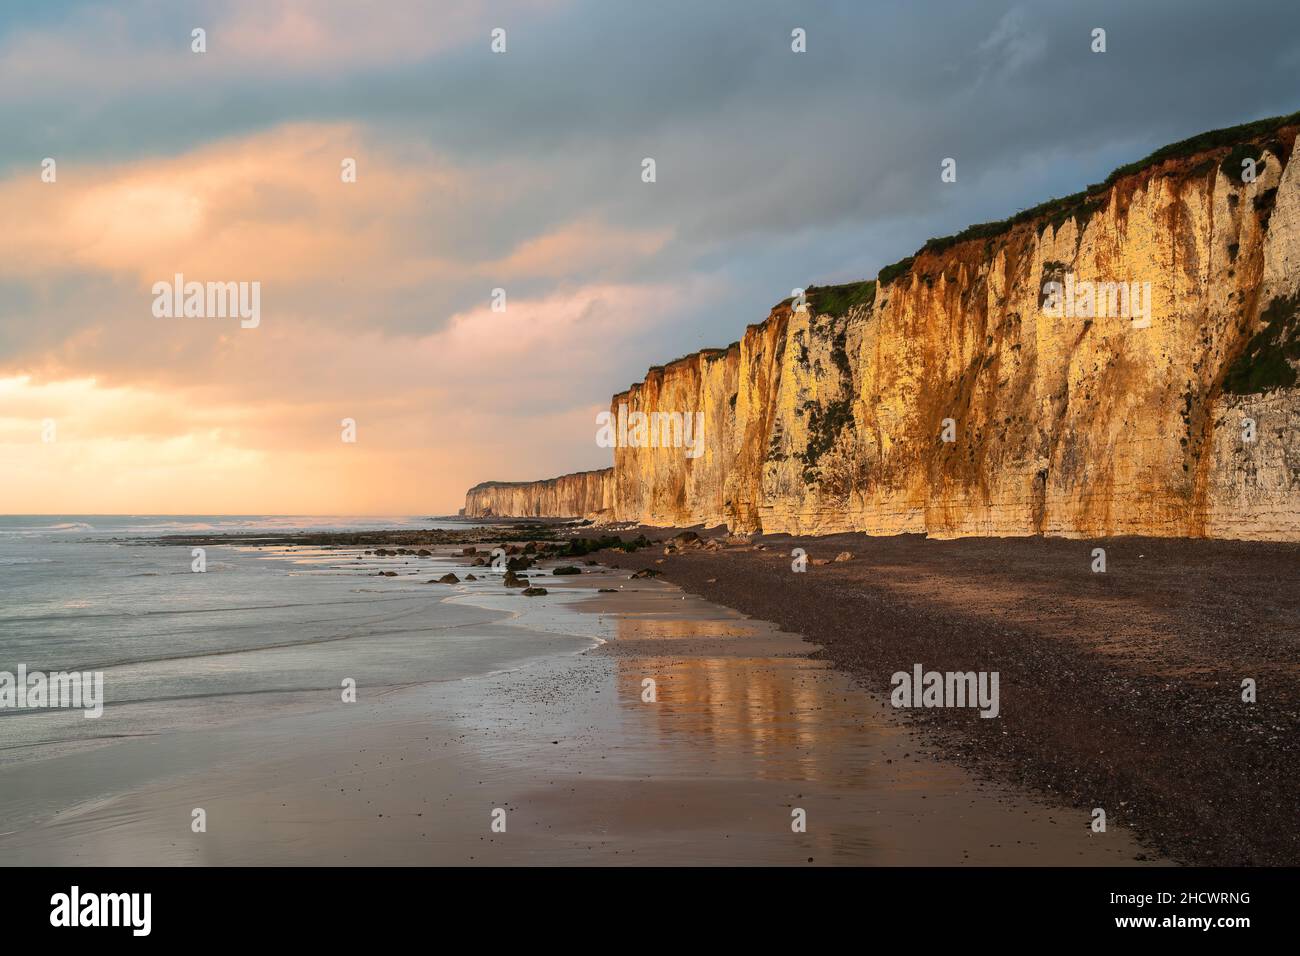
<point x="268" y="207"/>
<point x="491" y="394"/>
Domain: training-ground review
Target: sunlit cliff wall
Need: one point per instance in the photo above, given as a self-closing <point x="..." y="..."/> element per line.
<point x="831" y="418"/>
<point x="584" y="494"/>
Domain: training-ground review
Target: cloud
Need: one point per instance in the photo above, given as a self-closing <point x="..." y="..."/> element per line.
<point x="123" y="47"/>
<point x="272" y="206"/>
<point x="490" y="393"/>
<point x="1013" y="45"/>
<point x="384" y="254"/>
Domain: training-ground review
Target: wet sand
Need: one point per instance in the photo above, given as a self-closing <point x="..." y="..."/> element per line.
<point x="745" y="729"/>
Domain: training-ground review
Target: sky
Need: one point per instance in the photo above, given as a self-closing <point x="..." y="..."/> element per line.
<point x="519" y="170"/>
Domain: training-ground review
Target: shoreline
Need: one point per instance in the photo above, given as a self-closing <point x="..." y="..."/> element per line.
<point x="748" y="725"/>
<point x="1160" y="641"/>
<point x="1119" y="689"/>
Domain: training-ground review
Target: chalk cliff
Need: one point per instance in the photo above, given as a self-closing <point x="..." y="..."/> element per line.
<point x="980" y="388"/>
<point x="582" y="494"/>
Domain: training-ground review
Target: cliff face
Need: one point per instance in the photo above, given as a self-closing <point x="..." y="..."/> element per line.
<point x="1064" y="418"/>
<point x="583" y="494"/>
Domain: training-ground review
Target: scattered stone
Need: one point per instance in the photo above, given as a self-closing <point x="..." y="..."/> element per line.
<point x="534" y="592"/>
<point x="469" y="550"/>
<point x="606" y="590"/>
<point x="844" y="556"/>
<point x="470" y="577"/>
<point x="644" y="573"/>
<point x="424" y="553"/>
<point x="567" y="569"/>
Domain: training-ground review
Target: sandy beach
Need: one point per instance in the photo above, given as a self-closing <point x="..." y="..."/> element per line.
<point x="746" y="728"/>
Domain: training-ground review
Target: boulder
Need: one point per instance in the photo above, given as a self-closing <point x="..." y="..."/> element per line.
<point x="470" y="577"/>
<point x="567" y="569"/>
<point x="534" y="592"/>
<point x="644" y="573"/>
<point x="844" y="556"/>
<point x="469" y="550"/>
<point x="449" y="579"/>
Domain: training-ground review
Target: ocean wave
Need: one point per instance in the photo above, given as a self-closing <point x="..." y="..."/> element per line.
<point x="62" y="527"/>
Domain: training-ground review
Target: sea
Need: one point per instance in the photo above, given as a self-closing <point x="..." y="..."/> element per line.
<point x="263" y="630"/>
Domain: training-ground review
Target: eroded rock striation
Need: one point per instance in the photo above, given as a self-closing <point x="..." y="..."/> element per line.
<point x="1009" y="380"/>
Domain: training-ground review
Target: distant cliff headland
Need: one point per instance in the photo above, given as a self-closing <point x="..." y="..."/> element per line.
<point x="1120" y="361"/>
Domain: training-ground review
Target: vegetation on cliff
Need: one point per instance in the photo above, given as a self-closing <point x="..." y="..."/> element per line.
<point x="1082" y="205"/>
<point x="1264" y="365"/>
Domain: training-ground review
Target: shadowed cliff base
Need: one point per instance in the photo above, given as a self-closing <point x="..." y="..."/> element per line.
<point x="1120" y="690"/>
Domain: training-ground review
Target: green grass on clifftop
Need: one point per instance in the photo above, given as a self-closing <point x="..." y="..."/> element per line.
<point x="837" y="300"/>
<point x="1081" y="205"/>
